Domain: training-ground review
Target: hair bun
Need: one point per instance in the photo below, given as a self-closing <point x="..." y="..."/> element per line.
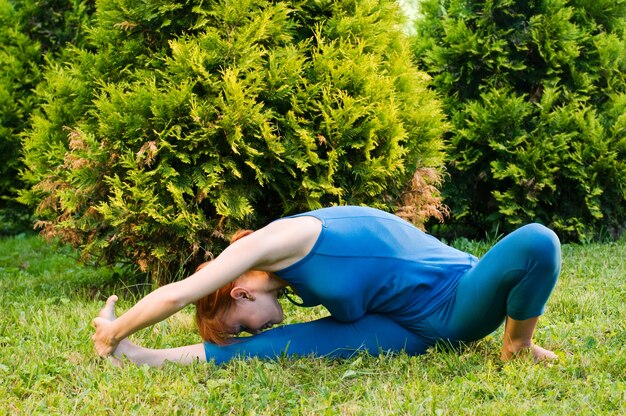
<point x="240" y="234"/>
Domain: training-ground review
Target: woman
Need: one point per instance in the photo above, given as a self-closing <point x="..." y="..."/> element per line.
<point x="387" y="285"/>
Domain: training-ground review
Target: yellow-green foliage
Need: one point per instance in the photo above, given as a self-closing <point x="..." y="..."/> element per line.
<point x="182" y="121"/>
<point x="536" y="94"/>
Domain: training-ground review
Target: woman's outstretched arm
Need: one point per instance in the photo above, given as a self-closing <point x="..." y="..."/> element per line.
<point x="271" y="248"/>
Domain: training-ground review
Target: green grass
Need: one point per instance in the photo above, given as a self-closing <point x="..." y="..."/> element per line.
<point x="47" y="363"/>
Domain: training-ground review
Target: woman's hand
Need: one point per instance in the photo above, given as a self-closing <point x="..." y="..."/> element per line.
<point x="104" y="341"/>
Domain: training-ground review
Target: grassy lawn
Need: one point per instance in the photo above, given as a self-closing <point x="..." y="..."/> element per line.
<point x="47" y="363"/>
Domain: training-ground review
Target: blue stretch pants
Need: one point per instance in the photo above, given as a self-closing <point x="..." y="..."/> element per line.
<point x="515" y="278"/>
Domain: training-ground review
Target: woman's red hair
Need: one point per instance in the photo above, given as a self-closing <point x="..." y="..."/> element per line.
<point x="211" y="308"/>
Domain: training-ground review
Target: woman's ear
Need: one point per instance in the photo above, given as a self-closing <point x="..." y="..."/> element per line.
<point x="239" y="293"/>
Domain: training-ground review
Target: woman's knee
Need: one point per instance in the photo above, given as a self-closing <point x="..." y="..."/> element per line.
<point x="542" y="245"/>
<point x="542" y="238"/>
<point x="541" y="249"/>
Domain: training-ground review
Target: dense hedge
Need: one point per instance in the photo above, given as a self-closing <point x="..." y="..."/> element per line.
<point x="30" y="32"/>
<point x="536" y="93"/>
<point x="183" y="120"/>
<point x="19" y="73"/>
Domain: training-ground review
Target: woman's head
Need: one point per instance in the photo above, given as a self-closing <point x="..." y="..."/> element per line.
<point x="249" y="303"/>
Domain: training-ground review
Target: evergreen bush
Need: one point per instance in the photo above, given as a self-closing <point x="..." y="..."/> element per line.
<point x="19" y="73"/>
<point x="30" y="32"/>
<point x="535" y="91"/>
<point x="184" y="121"/>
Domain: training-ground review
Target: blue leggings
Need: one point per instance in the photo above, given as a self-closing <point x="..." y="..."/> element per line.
<point x="515" y="279"/>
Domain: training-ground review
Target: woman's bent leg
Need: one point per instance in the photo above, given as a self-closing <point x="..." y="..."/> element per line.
<point x="514" y="279"/>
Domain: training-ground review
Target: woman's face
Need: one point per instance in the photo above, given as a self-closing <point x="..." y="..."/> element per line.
<point x="256" y="305"/>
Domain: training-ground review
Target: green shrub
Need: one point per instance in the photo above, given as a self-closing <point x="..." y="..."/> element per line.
<point x="30" y="32"/>
<point x="55" y="23"/>
<point x="19" y="73"/>
<point x="536" y="92"/>
<point x="184" y="121"/>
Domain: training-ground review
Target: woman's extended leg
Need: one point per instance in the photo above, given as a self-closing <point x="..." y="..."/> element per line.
<point x="152" y="357"/>
<point x="325" y="337"/>
<point x="157" y="357"/>
<point x="514" y="281"/>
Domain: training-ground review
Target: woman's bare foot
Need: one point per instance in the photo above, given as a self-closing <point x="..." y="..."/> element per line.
<point x="537" y="353"/>
<point x="125" y="349"/>
<point x="518" y="335"/>
<point x="108" y="313"/>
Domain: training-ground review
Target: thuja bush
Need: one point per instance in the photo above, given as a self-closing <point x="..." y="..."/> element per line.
<point x="30" y="32"/>
<point x="19" y="73"/>
<point x="54" y="24"/>
<point x="184" y="121"/>
<point x="536" y="94"/>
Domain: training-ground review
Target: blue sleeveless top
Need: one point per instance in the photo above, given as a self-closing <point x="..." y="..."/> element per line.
<point x="367" y="261"/>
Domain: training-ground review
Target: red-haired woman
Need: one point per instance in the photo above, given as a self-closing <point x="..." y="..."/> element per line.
<point x="387" y="285"/>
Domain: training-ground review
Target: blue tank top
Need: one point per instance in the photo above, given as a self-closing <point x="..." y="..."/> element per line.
<point x="368" y="261"/>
